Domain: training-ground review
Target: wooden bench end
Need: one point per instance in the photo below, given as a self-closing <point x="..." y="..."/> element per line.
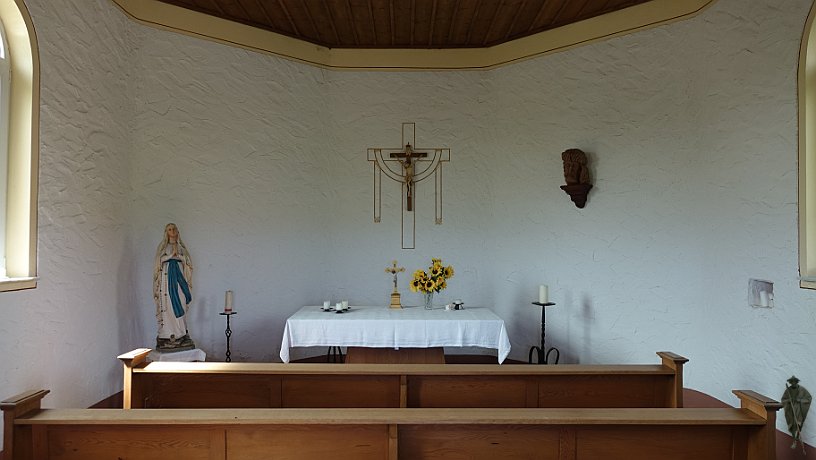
<point x="667" y="355"/>
<point x="135" y="357"/>
<point x="752" y="398"/>
<point x="23" y="399"/>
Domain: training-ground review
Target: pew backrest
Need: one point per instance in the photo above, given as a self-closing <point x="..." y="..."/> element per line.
<point x="270" y="385"/>
<point x="402" y="433"/>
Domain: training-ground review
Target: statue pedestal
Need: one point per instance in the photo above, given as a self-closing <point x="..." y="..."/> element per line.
<point x="395" y="300"/>
<point x="185" y="356"/>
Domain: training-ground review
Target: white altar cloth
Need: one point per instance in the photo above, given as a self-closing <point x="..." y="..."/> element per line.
<point x="383" y="327"/>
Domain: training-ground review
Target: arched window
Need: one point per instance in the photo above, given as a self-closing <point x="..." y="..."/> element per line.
<point x="19" y="146"/>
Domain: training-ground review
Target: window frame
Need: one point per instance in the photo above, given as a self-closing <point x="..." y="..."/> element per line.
<point x="5" y="88"/>
<point x="23" y="147"/>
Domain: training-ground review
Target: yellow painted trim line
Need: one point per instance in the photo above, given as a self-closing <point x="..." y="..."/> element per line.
<point x="646" y="15"/>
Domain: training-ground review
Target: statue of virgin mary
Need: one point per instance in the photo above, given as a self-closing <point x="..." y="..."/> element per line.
<point x="172" y="291"/>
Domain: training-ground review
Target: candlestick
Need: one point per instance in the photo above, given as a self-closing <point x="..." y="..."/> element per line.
<point x="228" y="331"/>
<point x="543" y="352"/>
<point x="543" y="294"/>
<point x="228" y="302"/>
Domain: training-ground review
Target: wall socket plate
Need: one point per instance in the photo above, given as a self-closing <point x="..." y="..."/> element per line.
<point x="760" y="293"/>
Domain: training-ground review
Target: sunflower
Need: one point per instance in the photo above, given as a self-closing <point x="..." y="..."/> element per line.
<point x="430" y="285"/>
<point x="434" y="279"/>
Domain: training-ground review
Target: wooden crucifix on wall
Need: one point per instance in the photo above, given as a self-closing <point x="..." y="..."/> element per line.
<point x="408" y="165"/>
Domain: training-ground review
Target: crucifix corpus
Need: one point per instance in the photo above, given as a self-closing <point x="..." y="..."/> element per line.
<point x="408" y="165"/>
<point x="395" y="296"/>
<point x="407" y="158"/>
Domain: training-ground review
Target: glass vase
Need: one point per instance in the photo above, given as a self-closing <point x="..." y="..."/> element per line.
<point x="428" y="300"/>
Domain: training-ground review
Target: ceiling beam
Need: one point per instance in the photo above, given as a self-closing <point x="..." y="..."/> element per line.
<point x="413" y="21"/>
<point x="312" y="22"/>
<point x="289" y="18"/>
<point x="581" y="9"/>
<point x="265" y="13"/>
<point x="558" y="14"/>
<point x="512" y="26"/>
<point x="537" y="17"/>
<point x="391" y="13"/>
<point x="218" y="7"/>
<point x="453" y="21"/>
<point x="472" y="21"/>
<point x="373" y="22"/>
<point x="433" y="21"/>
<point x="492" y="23"/>
<point x="353" y="23"/>
<point x="244" y="10"/>
<point x="331" y="21"/>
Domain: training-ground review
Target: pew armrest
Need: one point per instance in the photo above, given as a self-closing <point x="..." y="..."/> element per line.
<point x="672" y="359"/>
<point x="675" y="363"/>
<point x="757" y="403"/>
<point x="23" y="403"/>
<point x="762" y="443"/>
<point x="19" y="405"/>
<point x="134" y="358"/>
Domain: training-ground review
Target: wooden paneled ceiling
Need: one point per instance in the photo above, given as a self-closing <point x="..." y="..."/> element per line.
<point x="423" y="24"/>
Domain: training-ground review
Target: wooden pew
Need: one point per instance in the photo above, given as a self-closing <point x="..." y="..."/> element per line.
<point x="392" y="434"/>
<point x="268" y="385"/>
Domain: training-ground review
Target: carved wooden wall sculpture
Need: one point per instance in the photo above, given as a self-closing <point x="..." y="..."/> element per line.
<point x="576" y="173"/>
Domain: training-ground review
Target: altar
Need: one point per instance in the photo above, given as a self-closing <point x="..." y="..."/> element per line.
<point x="384" y="328"/>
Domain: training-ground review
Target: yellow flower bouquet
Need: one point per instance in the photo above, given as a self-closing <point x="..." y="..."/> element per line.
<point x="434" y="280"/>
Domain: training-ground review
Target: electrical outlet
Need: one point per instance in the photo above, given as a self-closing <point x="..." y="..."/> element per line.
<point x="760" y="293"/>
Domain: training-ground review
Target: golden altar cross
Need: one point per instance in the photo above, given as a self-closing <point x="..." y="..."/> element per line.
<point x="408" y="165"/>
<point x="395" y="296"/>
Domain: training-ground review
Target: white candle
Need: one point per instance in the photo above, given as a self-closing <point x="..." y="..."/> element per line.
<point x="228" y="302"/>
<point x="326" y="304"/>
<point x="345" y="305"/>
<point x="543" y="296"/>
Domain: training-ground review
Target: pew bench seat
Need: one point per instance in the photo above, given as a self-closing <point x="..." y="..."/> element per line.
<point x="407" y="416"/>
<point x="390" y="433"/>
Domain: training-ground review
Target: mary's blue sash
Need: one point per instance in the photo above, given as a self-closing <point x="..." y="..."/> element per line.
<point x="175" y="280"/>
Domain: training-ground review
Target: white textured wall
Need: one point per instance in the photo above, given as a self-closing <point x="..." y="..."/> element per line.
<point x="691" y="130"/>
<point x="65" y="334"/>
<point x="229" y="144"/>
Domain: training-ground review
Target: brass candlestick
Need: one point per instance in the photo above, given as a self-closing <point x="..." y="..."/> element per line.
<point x="395" y="296"/>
